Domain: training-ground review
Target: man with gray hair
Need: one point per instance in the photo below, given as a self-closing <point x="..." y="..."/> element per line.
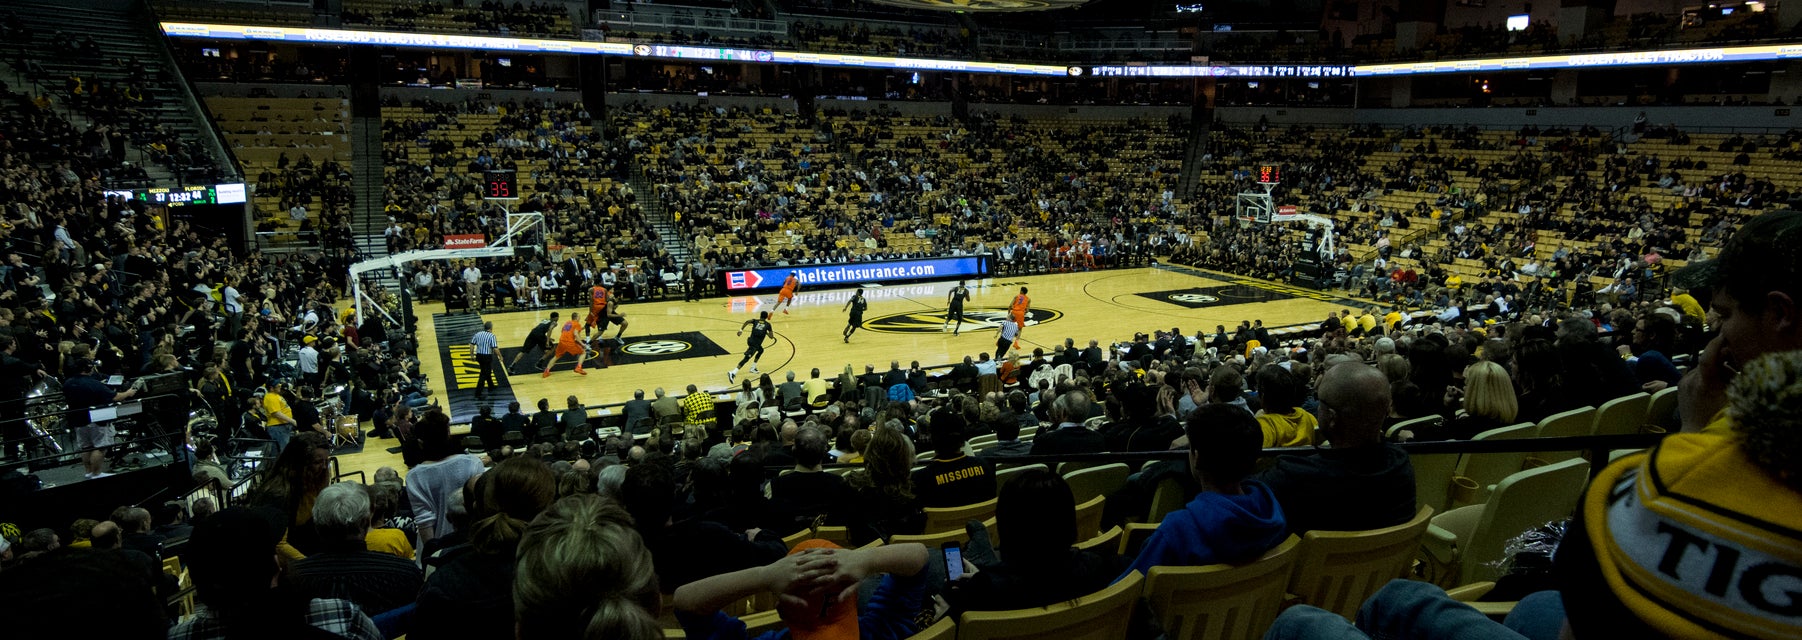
<point x="1383" y="346"/>
<point x="345" y="567"/>
<point x="809" y="492"/>
<point x="1069" y="411"/>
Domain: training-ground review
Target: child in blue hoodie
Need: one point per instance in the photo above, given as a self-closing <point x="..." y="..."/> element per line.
<point x="1235" y="518"/>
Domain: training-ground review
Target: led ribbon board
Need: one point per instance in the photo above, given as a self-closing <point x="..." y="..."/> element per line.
<point x="307" y="35"/>
<point x="847" y="274"/>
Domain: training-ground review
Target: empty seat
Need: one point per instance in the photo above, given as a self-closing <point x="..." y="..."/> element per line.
<point x="1462" y="543"/>
<point x="1087" y="484"/>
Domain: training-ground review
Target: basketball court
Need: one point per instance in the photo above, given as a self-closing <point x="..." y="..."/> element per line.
<point x="673" y="343"/>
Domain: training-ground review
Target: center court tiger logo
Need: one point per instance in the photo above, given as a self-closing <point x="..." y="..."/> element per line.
<point x="933" y="320"/>
<point x="1194" y="298"/>
<point x="657" y="347"/>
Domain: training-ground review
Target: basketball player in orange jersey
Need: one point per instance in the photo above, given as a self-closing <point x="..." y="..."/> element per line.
<point x="1018" y="309"/>
<point x="567" y="344"/>
<point x="601" y="313"/>
<point x="787" y="296"/>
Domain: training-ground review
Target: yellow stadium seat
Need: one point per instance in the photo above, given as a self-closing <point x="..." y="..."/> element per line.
<point x="1339" y="570"/>
<point x="1102" y="615"/>
<point x="1221" y="600"/>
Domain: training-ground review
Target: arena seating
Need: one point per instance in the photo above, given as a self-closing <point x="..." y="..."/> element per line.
<point x="297" y="151"/>
<point x="576" y="180"/>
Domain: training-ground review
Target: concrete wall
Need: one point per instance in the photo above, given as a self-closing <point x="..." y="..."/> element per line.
<point x="1249" y="115"/>
<point x="235" y="90"/>
<point x="407" y="94"/>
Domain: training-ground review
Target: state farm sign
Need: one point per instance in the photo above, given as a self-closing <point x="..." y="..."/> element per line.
<point x="465" y="241"/>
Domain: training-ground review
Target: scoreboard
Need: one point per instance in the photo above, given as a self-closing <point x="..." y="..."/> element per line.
<point x="233" y="193"/>
<point x="1270" y="174"/>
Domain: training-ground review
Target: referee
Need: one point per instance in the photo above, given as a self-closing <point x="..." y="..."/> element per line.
<point x="485" y="345"/>
<point x="1010" y="332"/>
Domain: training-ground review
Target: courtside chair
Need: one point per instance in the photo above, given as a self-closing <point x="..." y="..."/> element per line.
<point x="1221" y="600"/>
<point x="1088" y="484"/>
<point x="1622" y="416"/>
<point x="1460" y="545"/>
<point x="1103" y="615"/>
<point x="1339" y="570"/>
<point x="1576" y="422"/>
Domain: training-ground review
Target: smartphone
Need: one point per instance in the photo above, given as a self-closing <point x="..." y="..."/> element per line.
<point x="954" y="561"/>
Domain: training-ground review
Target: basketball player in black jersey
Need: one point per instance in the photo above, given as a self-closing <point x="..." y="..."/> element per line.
<point x="537" y="342"/>
<point x="954" y="304"/>
<point x="856" y="304"/>
<point x="760" y="330"/>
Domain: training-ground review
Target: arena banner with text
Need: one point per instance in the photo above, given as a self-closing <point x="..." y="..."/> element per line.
<point x="465" y="241"/>
<point x="850" y="274"/>
<point x="461" y="369"/>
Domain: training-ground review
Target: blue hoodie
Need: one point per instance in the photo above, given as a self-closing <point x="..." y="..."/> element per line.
<point x="1216" y="528"/>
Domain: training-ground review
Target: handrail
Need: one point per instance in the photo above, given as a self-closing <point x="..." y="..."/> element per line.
<point x="1592" y="443"/>
<point x="148" y="438"/>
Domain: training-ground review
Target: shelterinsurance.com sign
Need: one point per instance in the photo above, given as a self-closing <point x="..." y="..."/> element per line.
<point x="851" y="273"/>
<point x="304" y="35"/>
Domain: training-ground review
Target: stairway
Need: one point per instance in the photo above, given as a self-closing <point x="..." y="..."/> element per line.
<point x="366" y="178"/>
<point x="18" y="82"/>
<point x="1197" y="147"/>
<point x="679" y="248"/>
<point x="125" y="36"/>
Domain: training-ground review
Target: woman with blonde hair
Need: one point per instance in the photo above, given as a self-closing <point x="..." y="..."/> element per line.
<point x="584" y="572"/>
<point x="1487" y="402"/>
<point x="885" y="502"/>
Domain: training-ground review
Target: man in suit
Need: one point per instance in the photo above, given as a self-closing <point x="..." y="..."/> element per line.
<point x="963" y="375"/>
<point x="1070" y="436"/>
<point x="869" y="378"/>
<point x="665" y="406"/>
<point x="638" y="413"/>
<point x="1068" y="354"/>
<point x="896" y="375"/>
<point x="1094" y="356"/>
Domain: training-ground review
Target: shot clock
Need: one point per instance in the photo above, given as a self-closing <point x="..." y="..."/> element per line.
<point x="1270" y="174"/>
<point x="500" y="185"/>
